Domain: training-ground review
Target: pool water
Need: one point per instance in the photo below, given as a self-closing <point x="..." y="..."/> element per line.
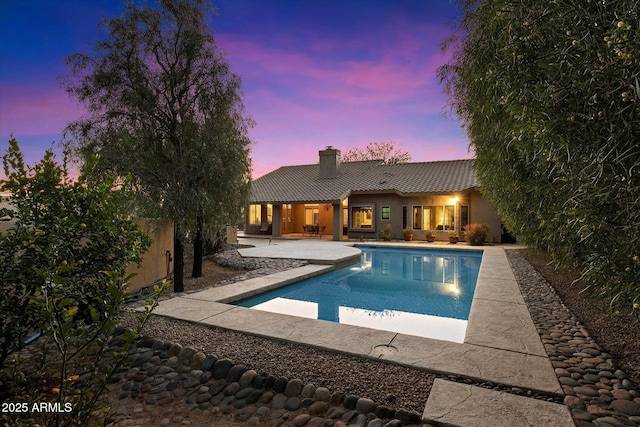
<point x="420" y="292"/>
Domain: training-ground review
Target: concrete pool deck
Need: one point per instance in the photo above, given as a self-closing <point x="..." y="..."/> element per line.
<point x="501" y="344"/>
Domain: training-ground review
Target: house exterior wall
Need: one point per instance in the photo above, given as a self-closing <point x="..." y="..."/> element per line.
<point x="483" y="211"/>
<point x="376" y="201"/>
<point x="480" y="210"/>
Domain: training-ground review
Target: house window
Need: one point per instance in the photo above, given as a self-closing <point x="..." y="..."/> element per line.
<point x="417" y="217"/>
<point x="311" y="216"/>
<point x="427" y="218"/>
<point x="362" y="217"/>
<point x="404" y="217"/>
<point x="255" y="214"/>
<point x="433" y="217"/>
<point x="464" y="216"/>
<point x="386" y="212"/>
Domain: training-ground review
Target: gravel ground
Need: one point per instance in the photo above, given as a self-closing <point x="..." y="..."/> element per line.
<point x="384" y="383"/>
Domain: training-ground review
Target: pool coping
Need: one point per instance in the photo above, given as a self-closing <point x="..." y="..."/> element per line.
<point x="501" y="344"/>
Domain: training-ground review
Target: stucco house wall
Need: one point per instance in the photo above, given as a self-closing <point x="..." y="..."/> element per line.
<point x="483" y="211"/>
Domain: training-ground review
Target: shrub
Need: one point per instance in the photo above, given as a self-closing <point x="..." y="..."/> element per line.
<point x="62" y="271"/>
<point x="477" y="234"/>
<point x="549" y="94"/>
<point x="386" y="233"/>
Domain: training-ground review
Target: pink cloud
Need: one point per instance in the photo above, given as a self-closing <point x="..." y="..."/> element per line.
<point x="35" y="110"/>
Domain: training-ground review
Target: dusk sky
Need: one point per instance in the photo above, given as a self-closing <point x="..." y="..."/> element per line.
<point x="314" y="73"/>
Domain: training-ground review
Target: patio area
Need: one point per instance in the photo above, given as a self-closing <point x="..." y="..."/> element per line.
<point x="501" y="343"/>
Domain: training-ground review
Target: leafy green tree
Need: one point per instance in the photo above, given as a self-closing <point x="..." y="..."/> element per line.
<point x="549" y="94"/>
<point x="385" y="151"/>
<point x="164" y="107"/>
<point x="62" y="271"/>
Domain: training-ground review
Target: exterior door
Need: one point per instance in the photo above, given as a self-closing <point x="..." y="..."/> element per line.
<point x="287" y="220"/>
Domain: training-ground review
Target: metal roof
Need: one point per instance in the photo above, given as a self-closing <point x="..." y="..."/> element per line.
<point x="302" y="184"/>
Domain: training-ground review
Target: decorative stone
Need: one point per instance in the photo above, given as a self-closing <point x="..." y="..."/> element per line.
<point x="322" y="394"/>
<point x="336" y="398"/>
<point x="247" y="378"/>
<point x="208" y="362"/>
<point x="627" y="407"/>
<point x="407" y="417"/>
<point x="259" y="381"/>
<point x="581" y="415"/>
<point x="385" y="412"/>
<point x="221" y="368"/>
<point x="231" y="389"/>
<point x="235" y="373"/>
<point x="293" y="388"/>
<point x="185" y="354"/>
<point x="280" y="384"/>
<point x="244" y="392"/>
<point x="292" y="403"/>
<point x="197" y="360"/>
<point x="203" y="397"/>
<point x="350" y="401"/>
<point x="361" y="420"/>
<point x="301" y="420"/>
<point x="254" y="397"/>
<point x="308" y="391"/>
<point x="621" y="394"/>
<point x="349" y="416"/>
<point x="586" y="391"/>
<point x="364" y="405"/>
<point x="278" y="401"/>
<point x="318" y="408"/>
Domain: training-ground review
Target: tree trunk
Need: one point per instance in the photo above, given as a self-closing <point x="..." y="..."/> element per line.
<point x="178" y="261"/>
<point x="198" y="248"/>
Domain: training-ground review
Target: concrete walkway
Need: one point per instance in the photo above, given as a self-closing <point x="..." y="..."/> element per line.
<point x="501" y="343"/>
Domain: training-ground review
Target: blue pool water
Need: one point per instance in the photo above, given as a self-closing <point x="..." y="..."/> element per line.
<point x="419" y="292"/>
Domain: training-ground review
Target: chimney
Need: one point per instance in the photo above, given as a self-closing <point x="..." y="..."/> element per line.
<point x="329" y="162"/>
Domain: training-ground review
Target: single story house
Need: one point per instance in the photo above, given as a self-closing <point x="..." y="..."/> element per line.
<point x="360" y="199"/>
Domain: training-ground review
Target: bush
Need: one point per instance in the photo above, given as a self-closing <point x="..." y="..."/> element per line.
<point x="386" y="233"/>
<point x="62" y="271"/>
<point x="477" y="234"/>
<point x="549" y="93"/>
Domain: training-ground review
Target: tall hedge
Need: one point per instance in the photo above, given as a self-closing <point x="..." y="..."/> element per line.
<point x="549" y="94"/>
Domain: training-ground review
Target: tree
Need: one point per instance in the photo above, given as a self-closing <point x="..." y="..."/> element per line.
<point x="549" y="94"/>
<point x="62" y="271"/>
<point x="385" y="151"/>
<point x="164" y="107"/>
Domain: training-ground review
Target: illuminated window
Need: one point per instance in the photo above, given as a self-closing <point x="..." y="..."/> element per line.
<point x="311" y="216"/>
<point x="255" y="214"/>
<point x="417" y="217"/>
<point x="362" y="217"/>
<point x="433" y="217"/>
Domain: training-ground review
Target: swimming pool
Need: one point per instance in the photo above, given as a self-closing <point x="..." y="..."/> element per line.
<point x="418" y="292"/>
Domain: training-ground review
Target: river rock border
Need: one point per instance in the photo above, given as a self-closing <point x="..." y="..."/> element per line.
<point x="159" y="373"/>
<point x="597" y="391"/>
